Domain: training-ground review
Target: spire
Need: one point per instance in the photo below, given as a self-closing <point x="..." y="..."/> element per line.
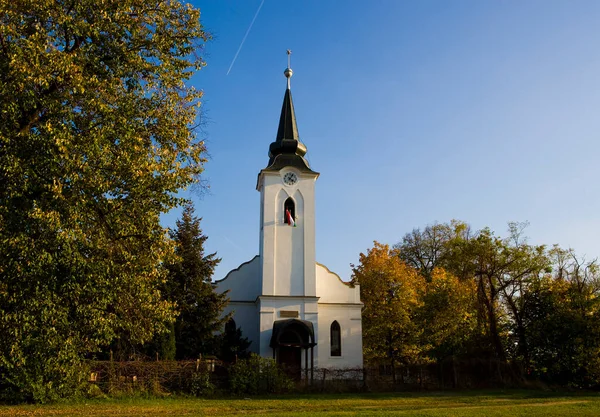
<point x="287" y="148"/>
<point x="287" y="121"/>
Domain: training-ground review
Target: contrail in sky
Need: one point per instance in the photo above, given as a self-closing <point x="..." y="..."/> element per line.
<point x="245" y="36"/>
<point x="231" y="243"/>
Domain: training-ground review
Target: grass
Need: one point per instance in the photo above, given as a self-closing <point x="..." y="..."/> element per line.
<point x="475" y="403"/>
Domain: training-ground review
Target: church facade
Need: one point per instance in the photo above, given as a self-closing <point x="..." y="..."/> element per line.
<point x="290" y="307"/>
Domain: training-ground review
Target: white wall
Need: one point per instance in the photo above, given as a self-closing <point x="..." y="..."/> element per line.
<point x="338" y="301"/>
<point x="243" y="283"/>
<point x="349" y="320"/>
<point x="331" y="288"/>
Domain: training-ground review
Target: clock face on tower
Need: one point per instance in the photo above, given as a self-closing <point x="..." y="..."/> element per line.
<point x="290" y="178"/>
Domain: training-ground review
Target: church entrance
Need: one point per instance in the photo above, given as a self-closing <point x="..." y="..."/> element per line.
<point x="289" y="340"/>
<point x="290" y="359"/>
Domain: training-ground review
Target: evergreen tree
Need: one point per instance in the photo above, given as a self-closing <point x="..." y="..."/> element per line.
<point x="189" y="287"/>
<point x="163" y="345"/>
<point x="233" y="344"/>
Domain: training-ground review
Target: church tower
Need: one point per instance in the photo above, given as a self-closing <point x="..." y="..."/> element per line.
<point x="287" y="234"/>
<point x="287" y="211"/>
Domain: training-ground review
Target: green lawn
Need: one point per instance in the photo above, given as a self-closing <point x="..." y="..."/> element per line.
<point x="477" y="403"/>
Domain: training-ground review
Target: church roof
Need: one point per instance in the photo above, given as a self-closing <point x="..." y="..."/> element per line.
<point x="287" y="150"/>
<point x="288" y="129"/>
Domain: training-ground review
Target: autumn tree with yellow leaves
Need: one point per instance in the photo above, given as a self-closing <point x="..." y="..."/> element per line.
<point x="390" y="293"/>
<point x="409" y="318"/>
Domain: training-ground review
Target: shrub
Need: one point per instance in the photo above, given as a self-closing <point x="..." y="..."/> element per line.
<point x="200" y="384"/>
<point x="258" y="375"/>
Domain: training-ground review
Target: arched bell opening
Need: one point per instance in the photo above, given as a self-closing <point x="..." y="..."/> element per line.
<point x="289" y="211"/>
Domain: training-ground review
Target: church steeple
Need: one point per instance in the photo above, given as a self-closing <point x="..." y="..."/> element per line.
<point x="287" y="121"/>
<point x="287" y="150"/>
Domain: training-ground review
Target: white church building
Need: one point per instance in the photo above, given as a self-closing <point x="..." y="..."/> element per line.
<point x="290" y="307"/>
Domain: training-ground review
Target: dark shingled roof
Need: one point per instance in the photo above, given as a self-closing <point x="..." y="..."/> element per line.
<point x="287" y="121"/>
<point x="287" y="150"/>
<point x="302" y="332"/>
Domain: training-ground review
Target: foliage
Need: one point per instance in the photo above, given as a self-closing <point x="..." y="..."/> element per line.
<point x="431" y="247"/>
<point x="163" y="346"/>
<point x="500" y="269"/>
<point x="189" y="286"/>
<point x="390" y="293"/>
<point x="447" y="315"/>
<point x="258" y="375"/>
<point x="562" y="322"/>
<point x="95" y="141"/>
<point x="201" y="385"/>
<point x="525" y="304"/>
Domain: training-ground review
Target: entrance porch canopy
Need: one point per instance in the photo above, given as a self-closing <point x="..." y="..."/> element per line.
<point x="293" y="332"/>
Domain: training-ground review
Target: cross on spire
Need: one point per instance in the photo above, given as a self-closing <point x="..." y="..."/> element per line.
<point x="288" y="71"/>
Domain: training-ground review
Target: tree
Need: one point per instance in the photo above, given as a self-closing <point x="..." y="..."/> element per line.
<point x="96" y="138"/>
<point x="233" y="344"/>
<point x="447" y="315"/>
<point x="189" y="286"/>
<point x="430" y="248"/>
<point x="389" y="291"/>
<point x="562" y="322"/>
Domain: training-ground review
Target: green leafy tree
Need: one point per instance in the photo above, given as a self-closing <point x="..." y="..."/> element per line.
<point x="96" y="139"/>
<point x="431" y="247"/>
<point x="562" y="322"/>
<point x="189" y="286"/>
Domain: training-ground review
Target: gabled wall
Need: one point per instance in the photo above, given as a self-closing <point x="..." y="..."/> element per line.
<point x="243" y="284"/>
<point x="338" y="301"/>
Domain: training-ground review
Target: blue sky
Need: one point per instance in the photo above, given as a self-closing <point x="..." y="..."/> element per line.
<point x="414" y="112"/>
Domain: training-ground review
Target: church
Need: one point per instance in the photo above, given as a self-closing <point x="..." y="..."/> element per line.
<point x="290" y="307"/>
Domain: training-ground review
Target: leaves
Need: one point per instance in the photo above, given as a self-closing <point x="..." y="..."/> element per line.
<point x="95" y="142"/>
<point x="389" y="291"/>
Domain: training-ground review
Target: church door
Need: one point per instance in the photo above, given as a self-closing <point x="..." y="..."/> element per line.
<point x="290" y="359"/>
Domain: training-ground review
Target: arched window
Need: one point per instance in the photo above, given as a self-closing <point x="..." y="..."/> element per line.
<point x="336" y="339"/>
<point x="291" y="207"/>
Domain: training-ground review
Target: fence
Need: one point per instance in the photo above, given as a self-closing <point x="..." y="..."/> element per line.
<point x="200" y="377"/>
<point x="154" y="376"/>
